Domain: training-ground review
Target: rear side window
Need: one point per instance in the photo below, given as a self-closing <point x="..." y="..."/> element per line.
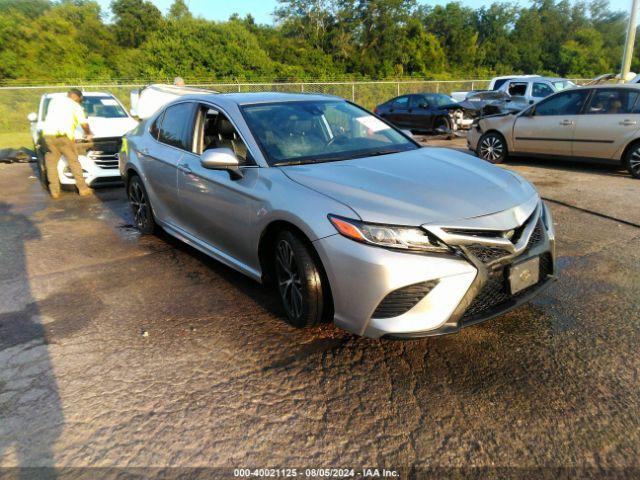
<point x="541" y="90"/>
<point x="517" y="89"/>
<point x="613" y="101"/>
<point x="177" y="126"/>
<point x="565" y="103"/>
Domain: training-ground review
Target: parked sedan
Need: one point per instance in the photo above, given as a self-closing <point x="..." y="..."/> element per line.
<point x="421" y="112"/>
<point x="596" y="123"/>
<point x="350" y="218"/>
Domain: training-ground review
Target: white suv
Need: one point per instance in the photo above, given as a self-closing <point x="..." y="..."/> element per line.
<point x="109" y="121"/>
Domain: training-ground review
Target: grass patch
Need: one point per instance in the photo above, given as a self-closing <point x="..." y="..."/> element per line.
<point x="16" y="139"/>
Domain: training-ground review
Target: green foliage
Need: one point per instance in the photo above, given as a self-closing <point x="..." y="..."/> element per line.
<point x="134" y="21"/>
<point x="68" y="40"/>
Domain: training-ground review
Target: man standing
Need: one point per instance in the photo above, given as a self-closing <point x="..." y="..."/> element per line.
<point x="63" y="117"/>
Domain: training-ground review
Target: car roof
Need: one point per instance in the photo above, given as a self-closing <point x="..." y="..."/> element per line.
<point x="251" y="98"/>
<point x="632" y="86"/>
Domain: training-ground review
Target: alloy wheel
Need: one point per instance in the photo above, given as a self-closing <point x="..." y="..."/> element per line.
<point x="139" y="205"/>
<point x="634" y="162"/>
<point x="289" y="282"/>
<point x="491" y="148"/>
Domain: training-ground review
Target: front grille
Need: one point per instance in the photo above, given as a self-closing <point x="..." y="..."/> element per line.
<point x="487" y="254"/>
<point x="537" y="236"/>
<point x="402" y="300"/>
<point x="494" y="295"/>
<point x="104" y="152"/>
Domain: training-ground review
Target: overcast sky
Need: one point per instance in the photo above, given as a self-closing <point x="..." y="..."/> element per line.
<point x="262" y="9"/>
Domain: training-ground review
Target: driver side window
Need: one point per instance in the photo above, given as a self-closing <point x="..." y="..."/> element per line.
<point x="216" y="131"/>
<point x="565" y="103"/>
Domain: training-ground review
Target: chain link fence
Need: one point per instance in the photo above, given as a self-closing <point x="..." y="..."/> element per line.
<point x="16" y="102"/>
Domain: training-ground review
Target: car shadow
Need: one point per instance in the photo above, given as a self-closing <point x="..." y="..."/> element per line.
<point x="31" y="415"/>
<point x="611" y="170"/>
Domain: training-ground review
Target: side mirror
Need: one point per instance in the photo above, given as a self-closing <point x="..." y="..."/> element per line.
<point x="424" y="105"/>
<point x="221" y="159"/>
<point x="32" y="117"/>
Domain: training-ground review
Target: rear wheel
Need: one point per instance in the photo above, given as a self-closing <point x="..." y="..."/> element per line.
<point x="299" y="280"/>
<point x="632" y="160"/>
<point x="140" y="206"/>
<point x="492" y="148"/>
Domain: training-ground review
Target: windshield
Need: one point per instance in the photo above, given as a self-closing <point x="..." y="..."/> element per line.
<point x="320" y="131"/>
<point x="563" y="85"/>
<point x="105" y="107"/>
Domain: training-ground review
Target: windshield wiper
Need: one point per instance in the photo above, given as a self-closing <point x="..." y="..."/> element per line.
<point x="308" y="161"/>
<point x="337" y="158"/>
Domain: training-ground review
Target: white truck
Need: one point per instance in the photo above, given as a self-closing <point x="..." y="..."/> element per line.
<point x="109" y="121"/>
<point x="494" y="84"/>
<point x="146" y="101"/>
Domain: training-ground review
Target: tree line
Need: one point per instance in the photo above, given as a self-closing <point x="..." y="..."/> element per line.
<point x="68" y="40"/>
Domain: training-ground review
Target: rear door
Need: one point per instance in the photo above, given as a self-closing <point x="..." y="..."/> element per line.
<point x="160" y="158"/>
<point x="398" y="111"/>
<point x="610" y="121"/>
<point x="549" y="131"/>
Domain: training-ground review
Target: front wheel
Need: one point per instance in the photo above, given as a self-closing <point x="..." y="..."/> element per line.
<point x="299" y="281"/>
<point x="140" y="206"/>
<point x="632" y="161"/>
<point x="492" y="148"/>
<point x="442" y="125"/>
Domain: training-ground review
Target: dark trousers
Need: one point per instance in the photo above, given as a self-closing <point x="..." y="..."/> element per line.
<point x="56" y="147"/>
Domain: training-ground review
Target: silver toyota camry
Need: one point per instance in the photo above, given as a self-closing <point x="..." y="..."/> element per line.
<point x="349" y="218"/>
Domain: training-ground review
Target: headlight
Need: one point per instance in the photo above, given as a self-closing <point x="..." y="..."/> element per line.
<point x="390" y="236"/>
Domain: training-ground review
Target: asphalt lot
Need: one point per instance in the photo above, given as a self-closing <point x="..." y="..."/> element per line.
<point x="130" y="351"/>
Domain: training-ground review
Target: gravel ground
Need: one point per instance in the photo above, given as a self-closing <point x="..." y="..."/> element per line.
<point x="118" y="350"/>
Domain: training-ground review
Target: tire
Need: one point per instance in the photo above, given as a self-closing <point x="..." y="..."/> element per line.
<point x="492" y="147"/>
<point x="299" y="281"/>
<point x="441" y="122"/>
<point x="140" y="206"/>
<point x="632" y="160"/>
<point x="42" y="169"/>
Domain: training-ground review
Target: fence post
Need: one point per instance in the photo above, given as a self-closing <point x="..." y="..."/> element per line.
<point x="238" y="88"/>
<point x="472" y="85"/>
<point x="398" y="89"/>
<point x="437" y="87"/>
<point x="353" y="92"/>
<point x="302" y="88"/>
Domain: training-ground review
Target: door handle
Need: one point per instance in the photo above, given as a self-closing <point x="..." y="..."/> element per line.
<point x="566" y="123"/>
<point x="628" y="122"/>
<point x="185" y="169"/>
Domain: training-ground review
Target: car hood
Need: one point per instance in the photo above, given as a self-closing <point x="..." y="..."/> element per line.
<point x="428" y="185"/>
<point x="108" y="127"/>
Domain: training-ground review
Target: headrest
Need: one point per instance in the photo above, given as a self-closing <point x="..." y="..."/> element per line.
<point x="225" y="127"/>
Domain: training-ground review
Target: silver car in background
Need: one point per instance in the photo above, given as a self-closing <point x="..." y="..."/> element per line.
<point x="351" y="219"/>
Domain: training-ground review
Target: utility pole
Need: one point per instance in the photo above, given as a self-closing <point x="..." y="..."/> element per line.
<point x="631" y="37"/>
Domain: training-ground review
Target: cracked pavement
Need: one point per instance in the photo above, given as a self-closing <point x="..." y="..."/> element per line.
<point x="220" y="380"/>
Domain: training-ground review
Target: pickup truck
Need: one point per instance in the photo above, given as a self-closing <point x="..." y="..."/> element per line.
<point x="109" y="121"/>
